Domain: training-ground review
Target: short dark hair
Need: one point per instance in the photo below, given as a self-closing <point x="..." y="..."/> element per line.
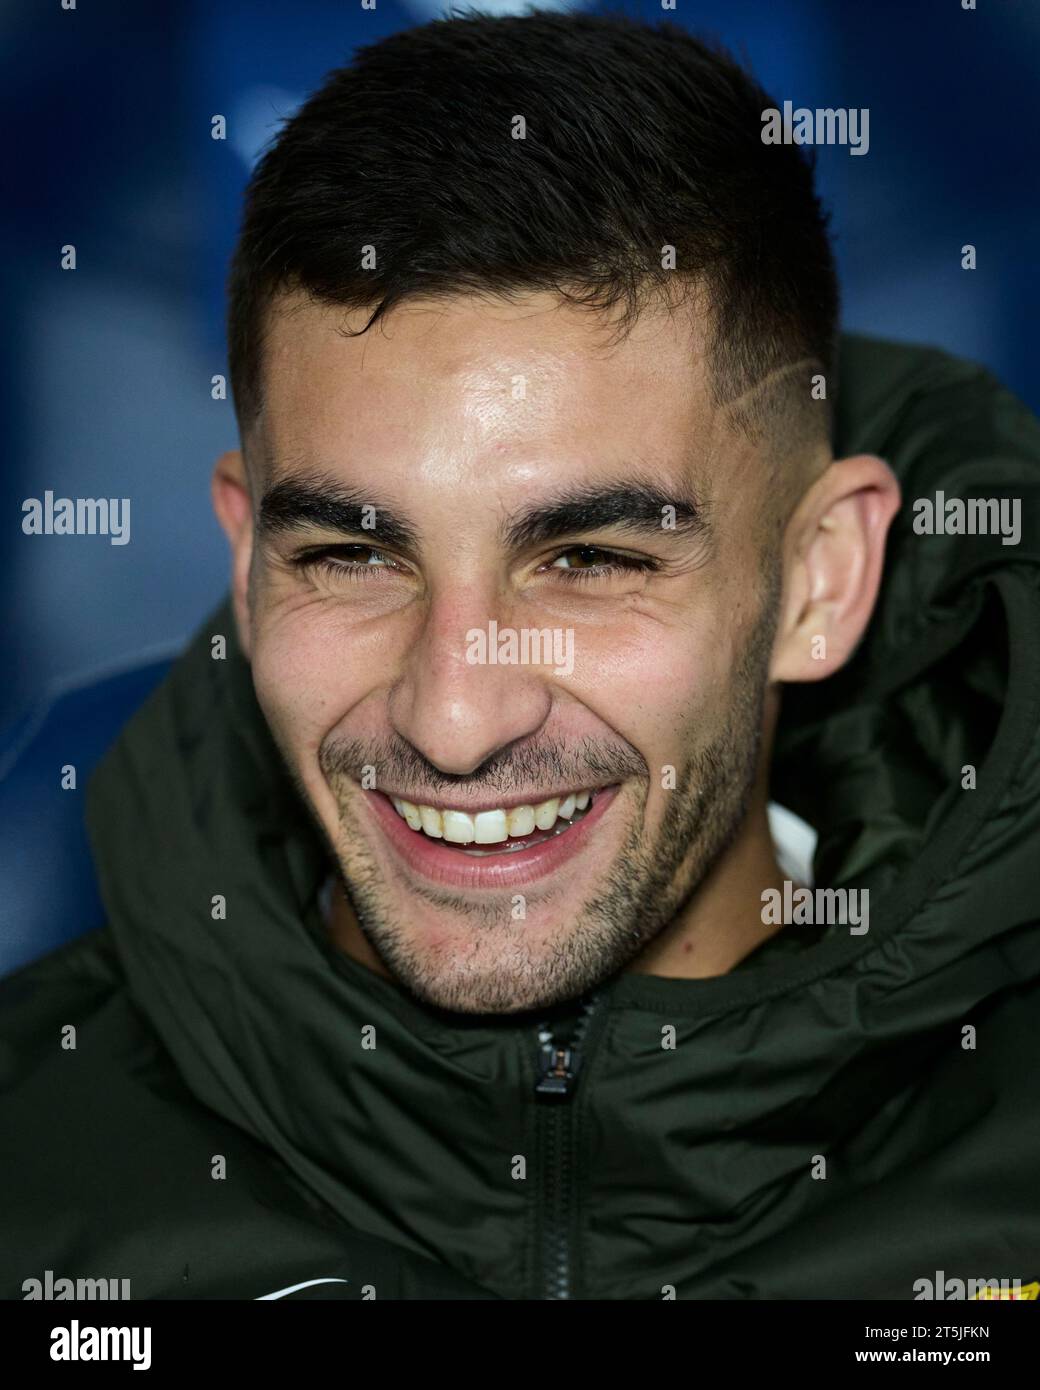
<point x="637" y="137"/>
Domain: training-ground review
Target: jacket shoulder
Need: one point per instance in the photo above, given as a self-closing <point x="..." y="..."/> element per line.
<point x="82" y="975"/>
<point x="892" y="396"/>
<point x="111" y="1168"/>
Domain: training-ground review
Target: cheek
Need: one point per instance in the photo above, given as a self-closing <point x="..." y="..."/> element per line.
<point x="306" y="676"/>
<point x="658" y="685"/>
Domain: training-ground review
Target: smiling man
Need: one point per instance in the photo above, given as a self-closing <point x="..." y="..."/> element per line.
<point x="440" y="966"/>
<point x="507" y="836"/>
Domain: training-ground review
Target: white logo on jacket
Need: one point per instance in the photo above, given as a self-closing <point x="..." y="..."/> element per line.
<point x="293" y="1288"/>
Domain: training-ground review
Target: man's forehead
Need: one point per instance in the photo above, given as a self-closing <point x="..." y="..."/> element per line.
<point x="523" y="347"/>
<point x="519" y="389"/>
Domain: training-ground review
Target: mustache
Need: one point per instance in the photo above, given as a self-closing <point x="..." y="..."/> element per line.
<point x="395" y="763"/>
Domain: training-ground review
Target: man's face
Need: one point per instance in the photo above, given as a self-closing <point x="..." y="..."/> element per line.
<point x="509" y="455"/>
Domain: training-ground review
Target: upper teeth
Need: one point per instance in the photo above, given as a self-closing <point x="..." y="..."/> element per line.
<point x="489" y="827"/>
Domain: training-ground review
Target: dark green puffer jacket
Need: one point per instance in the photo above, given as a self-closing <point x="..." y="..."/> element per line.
<point x="428" y="1166"/>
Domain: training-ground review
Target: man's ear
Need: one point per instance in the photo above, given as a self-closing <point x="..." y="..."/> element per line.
<point x="233" y="505"/>
<point x="834" y="550"/>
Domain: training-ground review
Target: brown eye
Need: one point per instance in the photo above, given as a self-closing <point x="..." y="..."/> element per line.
<point x="349" y="561"/>
<point x="596" y="563"/>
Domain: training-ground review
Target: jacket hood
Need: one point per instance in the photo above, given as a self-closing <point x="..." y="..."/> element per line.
<point x="694" y="1158"/>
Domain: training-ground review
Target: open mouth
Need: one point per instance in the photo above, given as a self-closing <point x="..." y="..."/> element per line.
<point x="495" y="849"/>
<point x="499" y="831"/>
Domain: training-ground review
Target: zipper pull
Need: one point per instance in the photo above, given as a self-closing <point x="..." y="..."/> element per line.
<point x="559" y="1069"/>
<point x="560" y="1062"/>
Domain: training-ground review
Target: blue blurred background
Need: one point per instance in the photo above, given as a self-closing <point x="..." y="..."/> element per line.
<point x="106" y="381"/>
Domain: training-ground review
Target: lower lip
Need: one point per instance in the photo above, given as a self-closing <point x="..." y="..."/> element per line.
<point x="435" y="862"/>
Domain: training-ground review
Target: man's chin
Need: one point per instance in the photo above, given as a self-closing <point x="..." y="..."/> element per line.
<point x="480" y="969"/>
<point x="500" y="950"/>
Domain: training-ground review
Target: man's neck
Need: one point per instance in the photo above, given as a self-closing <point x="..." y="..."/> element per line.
<point x="722" y="923"/>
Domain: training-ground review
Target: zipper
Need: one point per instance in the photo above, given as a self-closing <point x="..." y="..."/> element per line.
<point x="559" y="1067"/>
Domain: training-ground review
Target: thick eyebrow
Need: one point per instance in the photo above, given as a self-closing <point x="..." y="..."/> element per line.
<point x="634" y="506"/>
<point x="299" y="502"/>
<point x="637" y="506"/>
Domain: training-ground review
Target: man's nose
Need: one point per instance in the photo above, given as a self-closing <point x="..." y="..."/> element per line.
<point x="455" y="702"/>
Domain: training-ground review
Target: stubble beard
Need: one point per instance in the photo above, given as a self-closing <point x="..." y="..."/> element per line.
<point x="645" y="888"/>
